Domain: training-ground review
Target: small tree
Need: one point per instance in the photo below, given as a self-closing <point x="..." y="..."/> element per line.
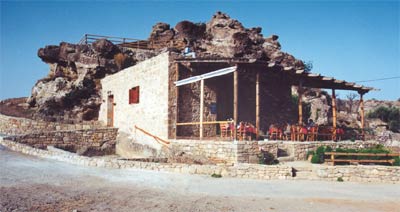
<point x="351" y="101"/>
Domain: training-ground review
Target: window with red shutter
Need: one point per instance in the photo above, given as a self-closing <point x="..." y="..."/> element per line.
<point x="134" y="95"/>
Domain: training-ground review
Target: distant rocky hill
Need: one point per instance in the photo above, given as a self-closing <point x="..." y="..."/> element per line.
<point x="71" y="90"/>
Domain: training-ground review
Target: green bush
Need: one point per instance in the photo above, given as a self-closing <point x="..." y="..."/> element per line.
<point x="396" y="161"/>
<point x="340" y="179"/>
<point x="310" y="153"/>
<point x="319" y="154"/>
<point x="216" y="175"/>
<point x="320" y="150"/>
<point x="316" y="159"/>
<point x="328" y="149"/>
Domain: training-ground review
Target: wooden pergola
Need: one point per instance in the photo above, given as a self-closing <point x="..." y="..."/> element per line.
<point x="298" y="77"/>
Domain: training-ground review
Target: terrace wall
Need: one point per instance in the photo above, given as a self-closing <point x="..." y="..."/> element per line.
<point x="249" y="151"/>
<point x="359" y="173"/>
<point x="379" y="174"/>
<point x="14" y="126"/>
<point x="97" y="139"/>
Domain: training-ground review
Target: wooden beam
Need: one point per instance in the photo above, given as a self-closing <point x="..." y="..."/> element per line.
<point x="201" y="107"/>
<point x="204" y="123"/>
<point x="235" y="101"/>
<point x="313" y="75"/>
<point x="299" y="102"/>
<point x="327" y="78"/>
<point x="288" y="68"/>
<point x="334" y="113"/>
<point x="362" y="115"/>
<point x="257" y="105"/>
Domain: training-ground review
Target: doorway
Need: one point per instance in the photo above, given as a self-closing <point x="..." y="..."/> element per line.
<point x="110" y="111"/>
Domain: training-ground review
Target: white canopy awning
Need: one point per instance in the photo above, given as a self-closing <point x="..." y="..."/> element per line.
<point x="212" y="74"/>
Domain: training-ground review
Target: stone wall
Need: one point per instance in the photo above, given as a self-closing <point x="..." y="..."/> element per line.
<point x="249" y="151"/>
<point x="360" y="173"/>
<point x="151" y="113"/>
<point x="231" y="152"/>
<point x="15" y="126"/>
<point x="212" y="149"/>
<point x="96" y="139"/>
<point x="189" y="98"/>
<point x="252" y="171"/>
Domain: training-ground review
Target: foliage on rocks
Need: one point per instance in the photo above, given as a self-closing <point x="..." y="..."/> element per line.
<point x="390" y="115"/>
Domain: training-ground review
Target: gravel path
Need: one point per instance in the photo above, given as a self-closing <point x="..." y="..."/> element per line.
<point x="33" y="184"/>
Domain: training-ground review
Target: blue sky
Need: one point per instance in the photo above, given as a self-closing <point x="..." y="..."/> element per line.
<point x="351" y="40"/>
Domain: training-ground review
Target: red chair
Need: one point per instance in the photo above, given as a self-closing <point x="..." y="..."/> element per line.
<point x="226" y="130"/>
<point x="312" y="133"/>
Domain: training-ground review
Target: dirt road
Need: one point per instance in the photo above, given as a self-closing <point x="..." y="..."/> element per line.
<point x="34" y="184"/>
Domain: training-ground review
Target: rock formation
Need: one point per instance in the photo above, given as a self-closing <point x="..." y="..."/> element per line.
<point x="223" y="37"/>
<point x="71" y="89"/>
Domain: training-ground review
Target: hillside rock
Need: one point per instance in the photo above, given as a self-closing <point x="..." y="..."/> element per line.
<point x="223" y="37"/>
<point x="71" y="91"/>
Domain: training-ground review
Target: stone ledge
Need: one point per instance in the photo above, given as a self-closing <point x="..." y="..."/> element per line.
<point x="252" y="171"/>
<point x="376" y="174"/>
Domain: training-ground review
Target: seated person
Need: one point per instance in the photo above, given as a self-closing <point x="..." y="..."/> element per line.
<point x="287" y="131"/>
<point x="187" y="52"/>
<point x="310" y="124"/>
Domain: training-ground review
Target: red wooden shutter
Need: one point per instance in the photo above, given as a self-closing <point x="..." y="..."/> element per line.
<point x="134" y="95"/>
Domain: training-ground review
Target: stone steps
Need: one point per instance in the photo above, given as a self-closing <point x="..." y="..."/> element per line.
<point x="286" y="159"/>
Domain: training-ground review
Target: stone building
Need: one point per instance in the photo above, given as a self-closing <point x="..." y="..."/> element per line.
<point x="162" y="98"/>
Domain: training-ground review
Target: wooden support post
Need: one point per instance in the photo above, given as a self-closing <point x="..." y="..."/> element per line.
<point x="201" y="107"/>
<point x="257" y="105"/>
<point x="177" y="99"/>
<point x="235" y="101"/>
<point x="299" y="102"/>
<point x="334" y="114"/>
<point x="362" y="116"/>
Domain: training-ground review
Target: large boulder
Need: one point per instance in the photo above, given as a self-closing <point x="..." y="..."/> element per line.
<point x="190" y="31"/>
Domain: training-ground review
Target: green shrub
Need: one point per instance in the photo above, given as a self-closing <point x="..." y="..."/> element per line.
<point x="216" y="175"/>
<point x="396" y="161"/>
<point x="316" y="159"/>
<point x="340" y="179"/>
<point x="320" y="150"/>
<point x="328" y="149"/>
<point x="310" y="153"/>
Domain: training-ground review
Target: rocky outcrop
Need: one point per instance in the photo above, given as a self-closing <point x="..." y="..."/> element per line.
<point x="71" y="89"/>
<point x="223" y="37"/>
